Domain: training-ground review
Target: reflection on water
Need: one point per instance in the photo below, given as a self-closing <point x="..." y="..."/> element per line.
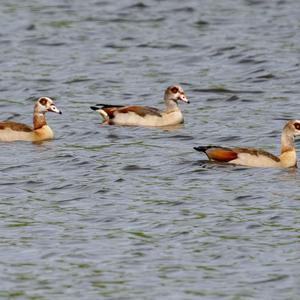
<point x="171" y="127"/>
<point x="290" y="174"/>
<point x="164" y="128"/>
<point x="128" y="213"/>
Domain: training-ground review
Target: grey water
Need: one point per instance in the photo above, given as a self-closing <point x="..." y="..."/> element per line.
<point x="108" y="212"/>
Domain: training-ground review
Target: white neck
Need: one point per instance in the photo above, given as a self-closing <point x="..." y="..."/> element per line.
<point x="171" y="105"/>
<point x="39" y="120"/>
<point x="287" y="141"/>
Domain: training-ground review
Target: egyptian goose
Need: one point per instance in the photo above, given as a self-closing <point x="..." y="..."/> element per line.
<point x="145" y="115"/>
<point x="12" y="131"/>
<point x="259" y="158"/>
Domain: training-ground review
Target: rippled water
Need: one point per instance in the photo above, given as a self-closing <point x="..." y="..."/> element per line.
<point x="105" y="212"/>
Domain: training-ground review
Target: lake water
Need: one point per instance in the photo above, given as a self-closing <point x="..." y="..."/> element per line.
<point x="107" y="212"/>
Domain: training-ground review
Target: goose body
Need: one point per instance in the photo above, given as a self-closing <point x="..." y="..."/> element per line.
<point x="252" y="157"/>
<point x="13" y="131"/>
<point x="135" y="115"/>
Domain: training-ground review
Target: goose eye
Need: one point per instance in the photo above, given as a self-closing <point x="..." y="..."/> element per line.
<point x="297" y="126"/>
<point x="43" y="101"/>
<point x="174" y="90"/>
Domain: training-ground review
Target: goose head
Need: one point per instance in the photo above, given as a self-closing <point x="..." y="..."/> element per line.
<point x="175" y="93"/>
<point x="45" y="104"/>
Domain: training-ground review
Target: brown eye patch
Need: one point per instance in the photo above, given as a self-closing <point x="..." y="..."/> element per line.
<point x="297" y="126"/>
<point x="174" y="90"/>
<point x="43" y="101"/>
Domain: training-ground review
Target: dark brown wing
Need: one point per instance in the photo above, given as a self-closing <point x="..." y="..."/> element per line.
<point x="227" y="154"/>
<point x="112" y="110"/>
<point x="256" y="152"/>
<point x="101" y="105"/>
<point x="140" y="110"/>
<point x="15" y="126"/>
<point x="218" y="153"/>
